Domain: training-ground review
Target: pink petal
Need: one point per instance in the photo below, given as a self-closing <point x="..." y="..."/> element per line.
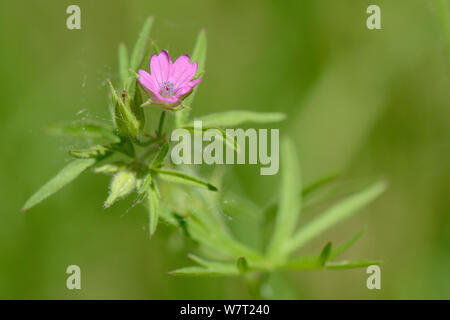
<point x="182" y="71"/>
<point x="166" y="100"/>
<point x="148" y="81"/>
<point x="160" y="66"/>
<point x="187" y="87"/>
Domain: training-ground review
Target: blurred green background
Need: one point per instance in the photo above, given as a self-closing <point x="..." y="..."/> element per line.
<point x="366" y="103"/>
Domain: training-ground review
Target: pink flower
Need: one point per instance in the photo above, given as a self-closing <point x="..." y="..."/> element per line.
<point x="169" y="83"/>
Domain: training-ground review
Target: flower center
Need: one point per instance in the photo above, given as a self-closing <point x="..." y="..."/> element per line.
<point x="166" y="89"/>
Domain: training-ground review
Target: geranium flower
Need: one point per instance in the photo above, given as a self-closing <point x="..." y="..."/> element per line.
<point x="168" y="83"/>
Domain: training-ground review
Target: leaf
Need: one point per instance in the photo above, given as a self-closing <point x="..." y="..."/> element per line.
<point x="199" y="53"/>
<point x="310" y="263"/>
<point x="303" y="263"/>
<point x="272" y="206"/>
<point x="325" y="254"/>
<point x="158" y="161"/>
<point x="238" y="117"/>
<point x="207" y="268"/>
<point x="123" y="64"/>
<point x="155" y="47"/>
<point x="139" y="47"/>
<point x="335" y="214"/>
<point x="64" y="177"/>
<point x="202" y="262"/>
<point x="216" y="265"/>
<point x="168" y="216"/>
<point x="179" y="177"/>
<point x="242" y="265"/>
<point x="137" y="56"/>
<point x="200" y="271"/>
<point x="199" y="56"/>
<point x="319" y="183"/>
<point x="344" y="247"/>
<point x="126" y="147"/>
<point x="222" y="136"/>
<point x="351" y="264"/>
<point x="153" y="209"/>
<point x="145" y="184"/>
<point x="289" y="203"/>
<point x="83" y="130"/>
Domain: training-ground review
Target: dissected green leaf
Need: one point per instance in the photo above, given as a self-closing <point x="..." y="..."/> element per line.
<point x="155" y="47"/>
<point x="313" y="263"/>
<point x="144" y="184"/>
<point x="123" y="64"/>
<point x="242" y="265"/>
<point x="199" y="53"/>
<point x="289" y="203"/>
<point x="183" y="178"/>
<point x="325" y="254"/>
<point x="83" y="130"/>
<point x="153" y="209"/>
<point x="137" y="56"/>
<point x="222" y="136"/>
<point x="216" y="265"/>
<point x="344" y="247"/>
<point x="158" y="161"/>
<point x="351" y="264"/>
<point x="335" y="214"/>
<point x="207" y="268"/>
<point x="200" y="271"/>
<point x="238" y="117"/>
<point x="272" y="206"/>
<point x="139" y="47"/>
<point x="303" y="263"/>
<point x="319" y="183"/>
<point x="168" y="216"/>
<point x="65" y="176"/>
<point x="199" y="56"/>
<point x="125" y="146"/>
<point x="218" y="240"/>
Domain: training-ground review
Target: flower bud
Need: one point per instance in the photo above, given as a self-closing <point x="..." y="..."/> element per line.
<point x="97" y="151"/>
<point x="110" y="167"/>
<point x="121" y="185"/>
<point x="125" y="119"/>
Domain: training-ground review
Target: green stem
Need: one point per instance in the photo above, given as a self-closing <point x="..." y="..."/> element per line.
<point x="161" y="123"/>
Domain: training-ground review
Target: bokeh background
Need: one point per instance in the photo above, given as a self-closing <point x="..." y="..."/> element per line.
<point x="368" y="104"/>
